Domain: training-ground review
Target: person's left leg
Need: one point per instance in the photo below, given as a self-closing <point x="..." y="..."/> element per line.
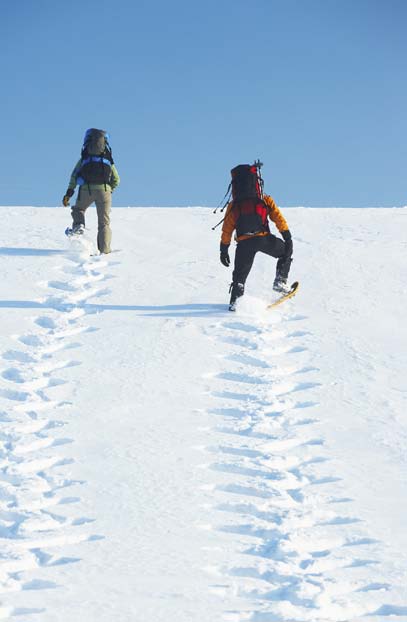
<point x="84" y="199"/>
<point x="244" y="257"/>
<point x="103" y="200"/>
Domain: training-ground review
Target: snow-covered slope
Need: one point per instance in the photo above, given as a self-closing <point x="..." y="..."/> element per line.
<point x="163" y="460"/>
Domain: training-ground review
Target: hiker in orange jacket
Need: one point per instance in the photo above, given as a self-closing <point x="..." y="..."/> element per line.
<point x="249" y="213"/>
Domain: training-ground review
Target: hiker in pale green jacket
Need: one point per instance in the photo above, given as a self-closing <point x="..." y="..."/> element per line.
<point x="97" y="177"/>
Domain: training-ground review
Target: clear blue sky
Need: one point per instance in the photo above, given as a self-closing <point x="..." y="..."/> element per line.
<point x="314" y="88"/>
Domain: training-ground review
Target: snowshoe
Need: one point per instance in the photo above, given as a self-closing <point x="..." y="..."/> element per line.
<point x="75" y="230"/>
<point x="285" y="295"/>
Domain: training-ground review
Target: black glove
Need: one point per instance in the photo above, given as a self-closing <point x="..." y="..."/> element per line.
<point x="67" y="196"/>
<point x="288" y="251"/>
<point x="224" y="254"/>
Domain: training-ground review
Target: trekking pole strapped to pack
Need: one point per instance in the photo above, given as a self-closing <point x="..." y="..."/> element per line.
<point x="219" y="223"/>
<point x="225" y="198"/>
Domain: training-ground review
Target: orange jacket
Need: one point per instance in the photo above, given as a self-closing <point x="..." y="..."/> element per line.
<point x="229" y="224"/>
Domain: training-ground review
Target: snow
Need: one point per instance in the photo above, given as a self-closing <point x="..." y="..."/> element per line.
<point x="165" y="460"/>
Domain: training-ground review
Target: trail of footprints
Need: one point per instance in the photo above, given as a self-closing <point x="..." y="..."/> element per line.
<point x="304" y="555"/>
<point x="39" y="516"/>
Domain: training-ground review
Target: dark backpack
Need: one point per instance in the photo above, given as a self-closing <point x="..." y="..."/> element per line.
<point x="247" y="196"/>
<point x="247" y="182"/>
<point x="96" y="156"/>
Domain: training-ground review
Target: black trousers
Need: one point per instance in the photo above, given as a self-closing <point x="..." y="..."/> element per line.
<point x="246" y="251"/>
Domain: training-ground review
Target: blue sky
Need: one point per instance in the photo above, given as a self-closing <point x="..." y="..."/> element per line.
<point x="314" y="88"/>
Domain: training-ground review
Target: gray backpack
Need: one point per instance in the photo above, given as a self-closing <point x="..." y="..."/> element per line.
<point x="95" y="142"/>
<point x="96" y="156"/>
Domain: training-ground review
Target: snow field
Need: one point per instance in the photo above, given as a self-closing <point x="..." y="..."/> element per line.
<point x="163" y="459"/>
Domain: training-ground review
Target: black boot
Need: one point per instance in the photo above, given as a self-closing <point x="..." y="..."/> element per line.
<point x="280" y="285"/>
<point x="282" y="270"/>
<point x="236" y="291"/>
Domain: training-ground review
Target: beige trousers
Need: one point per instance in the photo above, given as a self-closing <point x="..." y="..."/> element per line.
<point x="103" y="202"/>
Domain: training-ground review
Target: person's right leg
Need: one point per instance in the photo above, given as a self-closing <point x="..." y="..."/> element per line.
<point x="83" y="201"/>
<point x="276" y="247"/>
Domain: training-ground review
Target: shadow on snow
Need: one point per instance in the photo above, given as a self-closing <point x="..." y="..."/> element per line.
<point x="30" y="252"/>
<point x="183" y="310"/>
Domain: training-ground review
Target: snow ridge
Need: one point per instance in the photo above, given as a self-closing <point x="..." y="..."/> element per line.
<point x="36" y="521"/>
<point x="306" y="555"/>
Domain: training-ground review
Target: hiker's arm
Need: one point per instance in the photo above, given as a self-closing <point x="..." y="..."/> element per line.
<point x="73" y="180"/>
<point x="275" y="214"/>
<point x="228" y="226"/>
<point x="114" y="178"/>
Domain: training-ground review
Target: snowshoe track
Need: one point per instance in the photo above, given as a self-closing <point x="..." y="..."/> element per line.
<point x="39" y="503"/>
<point x="305" y="555"/>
